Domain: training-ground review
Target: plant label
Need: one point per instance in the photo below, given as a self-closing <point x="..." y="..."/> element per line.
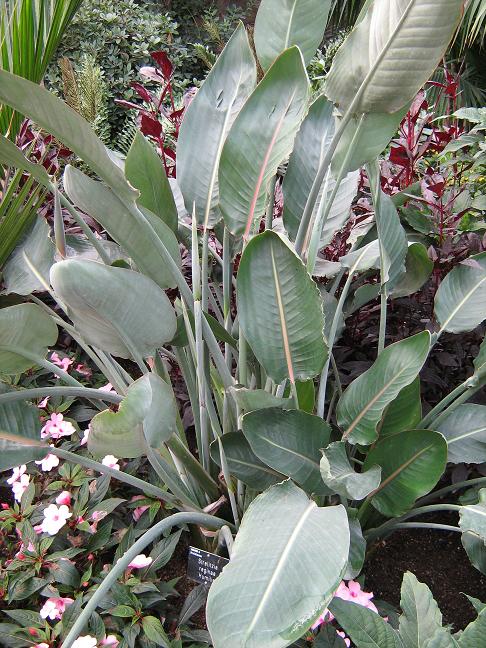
<point x="203" y="566"/>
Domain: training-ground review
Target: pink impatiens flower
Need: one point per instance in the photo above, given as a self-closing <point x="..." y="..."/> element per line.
<point x="56" y="427"/>
<point x="64" y="363"/>
<point x="111" y="462"/>
<point x="85" y="642"/>
<point x="19" y="487"/>
<point x="140" y="561"/>
<point x="107" y="388"/>
<point x="43" y="403"/>
<point x="17" y="473"/>
<point x="347" y="641"/>
<point x="48" y="463"/>
<point x="110" y="640"/>
<point x="140" y="510"/>
<point x="64" y="498"/>
<point x="55" y="518"/>
<point x="350" y="592"/>
<point x="84" y="370"/>
<point x="54" y="607"/>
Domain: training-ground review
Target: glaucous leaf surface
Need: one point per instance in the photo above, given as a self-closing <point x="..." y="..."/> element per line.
<point x="114" y="309"/>
<point x="29" y="328"/>
<point x="145" y="417"/>
<point x="391" y="53"/>
<point x="290" y="442"/>
<point x="206" y="124"/>
<point x="361" y="406"/>
<point x="249" y="400"/>
<point x="243" y="462"/>
<point x="465" y="432"/>
<point x="260" y="138"/>
<point x="474" y="633"/>
<point x="418" y="268"/>
<point x="421" y="617"/>
<point x="57" y="118"/>
<point x="357" y="547"/>
<point x="288" y="559"/>
<point x="365" y="628"/>
<point x="473" y="516"/>
<point x="475" y="548"/>
<point x="100" y="202"/>
<point x="280" y="24"/>
<point x="412" y="463"/>
<point x="145" y="171"/>
<point x="392" y="238"/>
<point x="280" y="310"/>
<point x="20" y="427"/>
<point x="405" y="412"/>
<point x="460" y="302"/>
<point x="339" y="475"/>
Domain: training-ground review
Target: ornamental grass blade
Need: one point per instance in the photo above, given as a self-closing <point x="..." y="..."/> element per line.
<point x="207" y="122"/>
<point x="361" y="406"/>
<point x="392" y="52"/>
<point x="260" y="138"/>
<point x="280" y="310"/>
<point x="279" y="24"/>
<point x="288" y="559"/>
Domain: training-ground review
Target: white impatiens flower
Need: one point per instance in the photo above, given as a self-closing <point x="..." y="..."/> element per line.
<point x="55" y="518"/>
<point x="85" y="642"/>
<point x="140" y="561"/>
<point x="111" y="462"/>
<point x="48" y="463"/>
<point x="17" y="473"/>
<point x="19" y="487"/>
<point x="54" y="607"/>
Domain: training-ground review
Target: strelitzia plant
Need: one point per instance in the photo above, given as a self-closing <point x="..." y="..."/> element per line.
<point x="311" y="474"/>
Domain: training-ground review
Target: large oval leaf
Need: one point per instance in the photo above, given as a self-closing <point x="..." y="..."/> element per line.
<point x="287" y="560"/>
<point x="405" y="412"/>
<point x="421" y="617"/>
<point x="465" y="433"/>
<point x="27" y="327"/>
<point x="460" y="302"/>
<point x="362" y="405"/>
<point x="261" y="137"/>
<point x="114" y="309"/>
<point x="412" y="463"/>
<point x="280" y="310"/>
<point x="206" y="123"/>
<point x="338" y="474"/>
<point x="19" y="433"/>
<point x="280" y="24"/>
<point x="289" y="441"/>
<point x="392" y="52"/>
<point x="146" y="417"/>
<point x="99" y="202"/>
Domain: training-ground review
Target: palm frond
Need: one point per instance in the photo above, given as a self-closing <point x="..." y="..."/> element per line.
<point x="473" y="27"/>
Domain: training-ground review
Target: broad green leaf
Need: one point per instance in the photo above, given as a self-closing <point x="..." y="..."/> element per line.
<point x="243" y="462"/>
<point x="418" y="268"/>
<point x="412" y="463"/>
<point x="40" y="250"/>
<point x="405" y="412"/>
<point x="145" y="171"/>
<point x="362" y="405"/>
<point x="460" y="302"/>
<point x="473" y="516"/>
<point x="56" y="117"/>
<point x="280" y="310"/>
<point x="338" y="474"/>
<point x="249" y="400"/>
<point x="328" y="638"/>
<point x="114" y="309"/>
<point x="465" y="432"/>
<point x="260" y="138"/>
<point x="392" y="238"/>
<point x="207" y="122"/>
<point x="475" y="632"/>
<point x="475" y="548"/>
<point x="279" y="24"/>
<point x="364" y="258"/>
<point x="154" y="630"/>
<point x="27" y="327"/>
<point x="19" y="433"/>
<point x="290" y="442"/>
<point x="99" y="202"/>
<point x="288" y="559"/>
<point x="421" y="616"/>
<point x="392" y="52"/>
<point x="357" y="547"/>
<point x="441" y="638"/>
<point x="145" y="417"/>
<point x="365" y="628"/>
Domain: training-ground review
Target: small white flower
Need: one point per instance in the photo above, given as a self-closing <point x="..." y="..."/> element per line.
<point x="54" y="607"/>
<point x="84" y="642"/>
<point x="55" y="518"/>
<point x="48" y="463"/>
<point x="19" y="487"/>
<point x="16" y="474"/>
<point x="84" y="440"/>
<point x="140" y="561"/>
<point x="111" y="462"/>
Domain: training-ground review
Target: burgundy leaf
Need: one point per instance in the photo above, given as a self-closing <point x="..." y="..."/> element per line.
<point x="150" y="126"/>
<point x="164" y="64"/>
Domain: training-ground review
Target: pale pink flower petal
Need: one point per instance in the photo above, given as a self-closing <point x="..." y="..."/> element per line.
<point x="54" y="607"/>
<point x="347" y="641"/>
<point x="84" y="370"/>
<point x="86" y="432"/>
<point x="48" y="463"/>
<point x="107" y="388"/>
<point x="140" y="561"/>
<point x="84" y="642"/>
<point x="19" y="487"/>
<point x="16" y="474"/>
<point x="64" y="498"/>
<point x="110" y="640"/>
<point x="111" y="462"/>
<point x="41" y="645"/>
<point x="43" y="403"/>
<point x="56" y="427"/>
<point x="64" y="363"/>
<point x="140" y="510"/>
<point x="55" y="518"/>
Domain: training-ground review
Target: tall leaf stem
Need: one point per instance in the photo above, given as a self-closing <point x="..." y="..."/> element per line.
<point x="478" y="481"/>
<point x="84" y="227"/>
<point x="371" y="534"/>
<point x="447" y="400"/>
<point x="78" y="392"/>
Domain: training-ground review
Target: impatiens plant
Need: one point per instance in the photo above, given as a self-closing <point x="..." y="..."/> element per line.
<point x="303" y="473"/>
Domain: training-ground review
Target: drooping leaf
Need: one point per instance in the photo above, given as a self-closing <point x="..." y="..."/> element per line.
<point x="145" y="171"/>
<point x="57" y="118"/>
<point x="289" y="441"/>
<point x="480" y="360"/>
<point x="146" y="417"/>
<point x="100" y="203"/>
<point x="279" y="24"/>
<point x="421" y="616"/>
<point x="206" y="124"/>
<point x="392" y="52"/>
<point x="465" y="432"/>
<point x="288" y="558"/>
<point x="412" y="463"/>
<point x="260" y="138"/>
<point x="404" y="413"/>
<point x="418" y="268"/>
<point x="365" y="628"/>
<point x="114" y="309"/>
<point x="249" y="400"/>
<point x="243" y="462"/>
<point x="475" y="548"/>
<point x="280" y="310"/>
<point x="362" y="405"/>
<point x="26" y="327"/>
<point x="474" y="633"/>
<point x="19" y="433"/>
<point x="357" y="546"/>
<point x="473" y="516"/>
<point x="338" y="474"/>
<point x="460" y="302"/>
